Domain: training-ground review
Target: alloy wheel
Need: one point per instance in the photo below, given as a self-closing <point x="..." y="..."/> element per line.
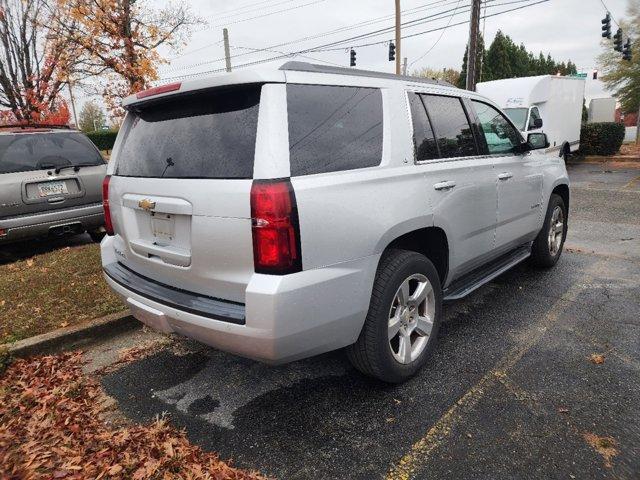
<point x="411" y="318"/>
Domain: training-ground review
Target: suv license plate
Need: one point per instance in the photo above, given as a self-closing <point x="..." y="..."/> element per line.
<point x="52" y="188"/>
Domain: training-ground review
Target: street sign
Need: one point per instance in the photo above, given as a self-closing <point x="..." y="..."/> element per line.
<point x="578" y="75"/>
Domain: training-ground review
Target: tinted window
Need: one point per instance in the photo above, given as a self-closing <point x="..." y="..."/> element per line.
<point x="501" y="137"/>
<point x="452" y="129"/>
<point x="205" y="135"/>
<point x="33" y="151"/>
<point x="423" y="140"/>
<point x="333" y="128"/>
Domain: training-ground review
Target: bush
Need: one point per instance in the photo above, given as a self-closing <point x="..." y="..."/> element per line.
<point x="601" y="138"/>
<point x="103" y="139"/>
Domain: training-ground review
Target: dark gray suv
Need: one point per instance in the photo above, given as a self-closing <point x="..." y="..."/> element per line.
<point x="50" y="183"/>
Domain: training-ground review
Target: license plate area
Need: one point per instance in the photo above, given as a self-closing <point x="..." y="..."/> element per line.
<point x="49" y="189"/>
<point x="163" y="226"/>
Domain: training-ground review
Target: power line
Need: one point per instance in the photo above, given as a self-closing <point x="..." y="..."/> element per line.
<point x="493" y="5"/>
<point x="264" y="7"/>
<point x="411" y="11"/>
<point x="248" y="5"/>
<point x="266" y="14"/>
<point x="440" y="37"/>
<point x="253" y="50"/>
<point x="322" y="48"/>
<point x="609" y="12"/>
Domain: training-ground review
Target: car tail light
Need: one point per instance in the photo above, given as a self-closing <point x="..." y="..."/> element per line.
<point x="108" y="226"/>
<point x="169" y="87"/>
<point x="275" y="228"/>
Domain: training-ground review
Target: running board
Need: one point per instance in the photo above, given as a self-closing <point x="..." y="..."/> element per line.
<point x="475" y="279"/>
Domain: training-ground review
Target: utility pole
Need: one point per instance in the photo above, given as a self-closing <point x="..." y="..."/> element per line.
<point x="472" y="54"/>
<point x="404" y="66"/>
<point x="398" y="38"/>
<point x="73" y="103"/>
<point x="227" y="54"/>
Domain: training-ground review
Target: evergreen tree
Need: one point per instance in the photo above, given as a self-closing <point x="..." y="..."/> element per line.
<point x="505" y="59"/>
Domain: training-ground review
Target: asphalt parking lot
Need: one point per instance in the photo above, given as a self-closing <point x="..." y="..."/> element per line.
<point x="512" y="390"/>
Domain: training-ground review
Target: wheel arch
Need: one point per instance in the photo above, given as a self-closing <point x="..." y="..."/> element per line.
<point x="562" y="189"/>
<point x="429" y="241"/>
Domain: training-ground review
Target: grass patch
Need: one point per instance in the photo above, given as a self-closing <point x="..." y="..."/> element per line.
<point x="53" y="290"/>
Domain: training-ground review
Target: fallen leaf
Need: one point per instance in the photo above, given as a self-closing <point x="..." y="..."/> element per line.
<point x="597" y="358"/>
<point x="115" y="469"/>
<point x="29" y="263"/>
<point x="605" y="446"/>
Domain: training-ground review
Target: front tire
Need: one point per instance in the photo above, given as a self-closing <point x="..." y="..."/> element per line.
<point x="404" y="316"/>
<point x="547" y="247"/>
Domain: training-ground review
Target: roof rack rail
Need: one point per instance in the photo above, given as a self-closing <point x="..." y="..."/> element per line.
<point x="35" y="125"/>
<point x="314" y="68"/>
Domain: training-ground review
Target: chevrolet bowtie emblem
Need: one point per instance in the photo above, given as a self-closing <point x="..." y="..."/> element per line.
<point x="146" y="204"/>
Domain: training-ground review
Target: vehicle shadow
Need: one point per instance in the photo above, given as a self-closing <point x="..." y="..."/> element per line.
<point x="13" y="252"/>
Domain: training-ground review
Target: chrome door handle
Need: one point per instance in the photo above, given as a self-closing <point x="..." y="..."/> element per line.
<point x="447" y="185"/>
<point x="505" y="176"/>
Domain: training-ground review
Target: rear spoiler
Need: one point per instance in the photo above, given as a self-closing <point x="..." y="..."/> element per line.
<point x="242" y="77"/>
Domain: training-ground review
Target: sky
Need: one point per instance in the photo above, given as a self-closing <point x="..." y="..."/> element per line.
<point x="567" y="29"/>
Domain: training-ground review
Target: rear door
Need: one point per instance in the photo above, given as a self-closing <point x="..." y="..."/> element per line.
<point x="460" y="182"/>
<point x="180" y="193"/>
<point x="38" y="172"/>
<point x="518" y="178"/>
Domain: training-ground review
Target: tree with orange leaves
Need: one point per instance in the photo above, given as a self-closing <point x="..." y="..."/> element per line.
<point x="33" y="64"/>
<point x="119" y="40"/>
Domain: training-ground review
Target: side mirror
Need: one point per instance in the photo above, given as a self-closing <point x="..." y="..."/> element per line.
<point x="537" y="141"/>
<point x="537" y="123"/>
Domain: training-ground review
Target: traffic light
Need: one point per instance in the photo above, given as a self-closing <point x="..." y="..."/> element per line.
<point x="606" y="26"/>
<point x="392" y="51"/>
<point x="626" y="51"/>
<point x="352" y="55"/>
<point x="617" y="41"/>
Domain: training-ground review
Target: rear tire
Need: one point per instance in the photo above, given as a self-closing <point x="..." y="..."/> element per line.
<point x="547" y="247"/>
<point x="404" y="316"/>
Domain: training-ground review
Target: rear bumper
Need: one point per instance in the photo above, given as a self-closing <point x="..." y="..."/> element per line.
<point x="87" y="217"/>
<point x="286" y="317"/>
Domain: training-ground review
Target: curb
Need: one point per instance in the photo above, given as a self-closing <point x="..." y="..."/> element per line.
<point x="73" y="337"/>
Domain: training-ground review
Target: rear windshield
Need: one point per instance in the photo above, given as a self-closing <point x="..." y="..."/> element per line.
<point x="22" y="152"/>
<point x="205" y="135"/>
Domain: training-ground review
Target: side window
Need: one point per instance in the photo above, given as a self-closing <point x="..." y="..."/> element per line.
<point x="533" y="116"/>
<point x="424" y="141"/>
<point x="451" y="126"/>
<point x="501" y="137"/>
<point x="333" y="128"/>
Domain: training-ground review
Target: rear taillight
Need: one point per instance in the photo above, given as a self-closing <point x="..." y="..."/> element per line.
<point x="108" y="226"/>
<point x="275" y="228"/>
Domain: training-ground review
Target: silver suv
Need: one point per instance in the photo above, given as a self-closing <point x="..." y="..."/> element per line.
<point x="282" y="214"/>
<point x="50" y="183"/>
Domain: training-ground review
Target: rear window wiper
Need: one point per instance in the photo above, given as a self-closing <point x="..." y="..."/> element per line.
<point x="76" y="167"/>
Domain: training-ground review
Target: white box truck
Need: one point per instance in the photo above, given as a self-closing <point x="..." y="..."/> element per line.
<point x="547" y="103"/>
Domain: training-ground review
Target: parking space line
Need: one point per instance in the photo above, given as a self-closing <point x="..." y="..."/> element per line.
<point x="412" y="461"/>
<point x="631" y="183"/>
